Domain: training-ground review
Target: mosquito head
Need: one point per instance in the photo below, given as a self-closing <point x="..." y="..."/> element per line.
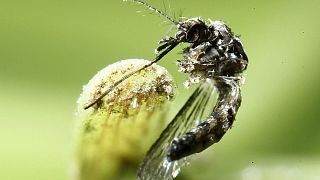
<point x="193" y="30"/>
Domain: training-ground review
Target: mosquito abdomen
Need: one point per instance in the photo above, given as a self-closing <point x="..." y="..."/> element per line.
<point x="214" y="127"/>
<point x="203" y="136"/>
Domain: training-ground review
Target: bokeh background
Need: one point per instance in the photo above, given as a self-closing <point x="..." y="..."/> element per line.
<point x="50" y="48"/>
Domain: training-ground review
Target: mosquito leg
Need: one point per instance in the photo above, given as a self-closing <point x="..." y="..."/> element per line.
<point x="163" y="53"/>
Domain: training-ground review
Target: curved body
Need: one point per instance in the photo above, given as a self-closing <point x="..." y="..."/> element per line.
<point x="217" y="54"/>
<point x="215" y="59"/>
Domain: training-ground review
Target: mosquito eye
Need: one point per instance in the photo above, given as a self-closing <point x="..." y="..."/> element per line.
<point x="193" y="34"/>
<point x="197" y="33"/>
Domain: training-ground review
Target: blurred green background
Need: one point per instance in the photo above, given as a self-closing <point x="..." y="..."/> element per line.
<point x="50" y="48"/>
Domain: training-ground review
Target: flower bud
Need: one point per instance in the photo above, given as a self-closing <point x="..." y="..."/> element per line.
<point x="113" y="135"/>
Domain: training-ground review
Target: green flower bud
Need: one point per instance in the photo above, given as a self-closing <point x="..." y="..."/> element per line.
<point x="113" y="135"/>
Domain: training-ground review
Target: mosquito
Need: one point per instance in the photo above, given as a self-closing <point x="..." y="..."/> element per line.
<point x="215" y="59"/>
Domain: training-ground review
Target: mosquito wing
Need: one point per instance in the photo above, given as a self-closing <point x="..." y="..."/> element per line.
<point x="156" y="165"/>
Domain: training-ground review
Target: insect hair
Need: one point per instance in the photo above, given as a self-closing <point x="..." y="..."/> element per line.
<point x="150" y="7"/>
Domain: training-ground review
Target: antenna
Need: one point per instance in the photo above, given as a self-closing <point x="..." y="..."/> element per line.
<point x="154" y="9"/>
